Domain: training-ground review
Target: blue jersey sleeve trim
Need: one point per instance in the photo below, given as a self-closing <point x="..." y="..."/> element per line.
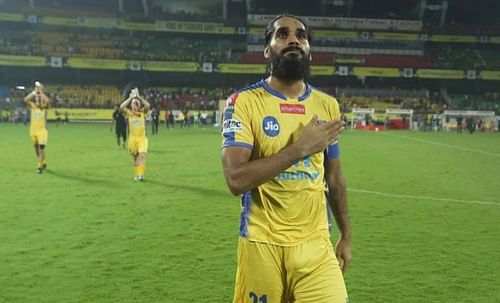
<point x="239" y="144"/>
<point x="333" y="151"/>
<point x="245" y="203"/>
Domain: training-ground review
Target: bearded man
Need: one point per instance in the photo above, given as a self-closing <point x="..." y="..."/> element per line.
<point x="280" y="153"/>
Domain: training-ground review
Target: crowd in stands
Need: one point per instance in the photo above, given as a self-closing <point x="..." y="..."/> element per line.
<point x="489" y="58"/>
<point x="344" y="42"/>
<point x="420" y="101"/>
<point x="103" y="96"/>
<point x="447" y="57"/>
<point x="184" y="99"/>
<point x="97" y="96"/>
<point x="485" y="102"/>
<point x="95" y="8"/>
<point x="61" y="8"/>
<point x="114" y="45"/>
<point x="210" y="16"/>
<point x="45" y="40"/>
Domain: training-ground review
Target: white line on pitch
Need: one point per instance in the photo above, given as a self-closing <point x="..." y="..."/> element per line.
<point x="364" y="191"/>
<point x="443" y="144"/>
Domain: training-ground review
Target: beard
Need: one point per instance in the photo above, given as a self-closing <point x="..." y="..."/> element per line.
<point x="289" y="68"/>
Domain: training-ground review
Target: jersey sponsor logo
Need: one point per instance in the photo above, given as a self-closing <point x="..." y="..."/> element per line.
<point x="136" y="123"/>
<point x="297" y="109"/>
<point x="271" y="126"/>
<point x="298" y="176"/>
<point x="232" y="125"/>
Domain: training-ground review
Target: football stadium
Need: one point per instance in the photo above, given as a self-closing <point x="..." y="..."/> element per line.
<point x="137" y="157"/>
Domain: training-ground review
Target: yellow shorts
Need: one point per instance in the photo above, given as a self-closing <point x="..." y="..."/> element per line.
<point x="137" y="145"/>
<point x="39" y="136"/>
<point x="306" y="273"/>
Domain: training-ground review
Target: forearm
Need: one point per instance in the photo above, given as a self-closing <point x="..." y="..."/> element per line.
<point x="242" y="177"/>
<point x="46" y="101"/>
<point x="44" y="97"/>
<point x="28" y="97"/>
<point x="337" y="198"/>
<point x="145" y="102"/>
<point x="125" y="103"/>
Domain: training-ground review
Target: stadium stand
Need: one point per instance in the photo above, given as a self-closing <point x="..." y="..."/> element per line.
<point x="364" y="56"/>
<point x="114" y="45"/>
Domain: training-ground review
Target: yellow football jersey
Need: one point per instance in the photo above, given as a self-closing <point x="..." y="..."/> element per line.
<point x="136" y="123"/>
<point x="292" y="207"/>
<point x="38" y="117"/>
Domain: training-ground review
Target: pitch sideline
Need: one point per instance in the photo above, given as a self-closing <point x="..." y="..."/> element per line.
<point x="391" y="195"/>
<point x="443" y="144"/>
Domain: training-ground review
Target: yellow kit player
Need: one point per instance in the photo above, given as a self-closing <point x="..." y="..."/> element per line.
<point x="135" y="108"/>
<point x="38" y="103"/>
<point x="280" y="153"/>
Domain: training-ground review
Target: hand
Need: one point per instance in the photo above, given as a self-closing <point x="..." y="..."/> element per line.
<point x="316" y="137"/>
<point x="343" y="253"/>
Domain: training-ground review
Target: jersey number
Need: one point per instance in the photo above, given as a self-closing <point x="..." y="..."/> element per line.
<point x="255" y="298"/>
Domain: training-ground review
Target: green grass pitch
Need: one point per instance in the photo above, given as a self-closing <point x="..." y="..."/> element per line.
<point x="425" y="212"/>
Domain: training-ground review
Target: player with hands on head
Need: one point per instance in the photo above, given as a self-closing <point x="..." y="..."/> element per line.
<point x="281" y="154"/>
<point x="39" y="104"/>
<point x="135" y="108"/>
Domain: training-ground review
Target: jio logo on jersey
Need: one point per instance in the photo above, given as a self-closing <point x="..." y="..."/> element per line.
<point x="271" y="126"/>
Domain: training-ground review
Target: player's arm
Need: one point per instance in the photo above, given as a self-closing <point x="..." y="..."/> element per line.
<point x="126" y="103"/>
<point x="145" y="102"/>
<point x="135" y="93"/>
<point x="28" y="99"/>
<point x="242" y="174"/>
<point x="112" y="123"/>
<point x="45" y="100"/>
<point x="337" y="199"/>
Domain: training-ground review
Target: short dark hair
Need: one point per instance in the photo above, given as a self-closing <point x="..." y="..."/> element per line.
<point x="270" y="27"/>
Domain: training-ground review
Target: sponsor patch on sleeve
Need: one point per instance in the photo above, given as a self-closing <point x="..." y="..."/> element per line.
<point x="232" y="125"/>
